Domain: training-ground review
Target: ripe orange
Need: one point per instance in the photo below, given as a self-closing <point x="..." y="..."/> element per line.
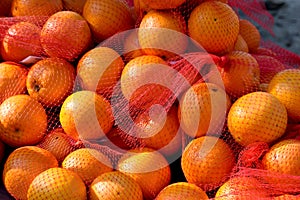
<point x="115" y="185"/>
<point x="107" y="17"/>
<point x="182" y="190"/>
<point x="148" y="168"/>
<point x="74" y="5"/>
<point x="132" y="47"/>
<point x="203" y="109"/>
<point x="57" y="183"/>
<point x="162" y="33"/>
<point x="286" y="197"/>
<point x="241" y="187"/>
<point x="12" y="79"/>
<point x="285" y="86"/>
<point x="257" y="117"/>
<point x="215" y="26"/>
<point x="50" y="81"/>
<point x="86" y="115"/>
<point x="66" y="34"/>
<point x="207" y="162"/>
<point x="20" y="41"/>
<point x="241" y="75"/>
<point x="99" y="70"/>
<point x="35" y="7"/>
<point x="87" y="163"/>
<point x="159" y="5"/>
<point x="22" y="166"/>
<point x="250" y="34"/>
<point x="160" y="132"/>
<point x="5" y="6"/>
<point x="23" y="121"/>
<point x="240" y="44"/>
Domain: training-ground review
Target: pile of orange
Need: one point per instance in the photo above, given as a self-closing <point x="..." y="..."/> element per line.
<point x="97" y="102"/>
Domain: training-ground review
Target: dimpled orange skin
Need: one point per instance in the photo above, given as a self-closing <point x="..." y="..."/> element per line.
<point x="215" y="26"/>
<point x="286" y="87"/>
<point x="22" y="166"/>
<point x="107" y="17"/>
<point x="207" y="162"/>
<point x="241" y="45"/>
<point x="257" y="117"/>
<point x="57" y="183"/>
<point x="157" y="4"/>
<point x="250" y="34"/>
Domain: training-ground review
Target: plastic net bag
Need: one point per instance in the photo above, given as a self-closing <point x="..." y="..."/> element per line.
<point x="145" y="99"/>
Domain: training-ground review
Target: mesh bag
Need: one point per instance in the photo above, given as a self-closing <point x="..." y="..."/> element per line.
<point x="146" y="99"/>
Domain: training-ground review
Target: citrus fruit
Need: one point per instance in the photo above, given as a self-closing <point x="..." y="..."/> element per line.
<point x="240" y="44"/>
<point x="115" y="185"/>
<point x="132" y="48"/>
<point x="87" y="163"/>
<point x="66" y="34"/>
<point x="257" y="117"/>
<point x="57" y="183"/>
<point x="207" y="161"/>
<point x="287" y="197"/>
<point x="74" y="5"/>
<point x="22" y="166"/>
<point x="35" y="7"/>
<point x="107" y="17"/>
<point x="86" y="115"/>
<point x="5" y="6"/>
<point x="12" y="79"/>
<point x="250" y="34"/>
<point x="23" y="121"/>
<point x="157" y="4"/>
<point x="162" y="33"/>
<point x="50" y="81"/>
<point x="241" y="74"/>
<point x="182" y="190"/>
<point x="241" y="187"/>
<point x="203" y="109"/>
<point x="146" y="164"/>
<point x="20" y="41"/>
<point x="117" y="138"/>
<point x="215" y="26"/>
<point x="99" y="70"/>
<point x="285" y="87"/>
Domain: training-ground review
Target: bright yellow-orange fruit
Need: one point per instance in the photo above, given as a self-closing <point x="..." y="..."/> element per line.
<point x="86" y="115"/>
<point x="115" y="185"/>
<point x="285" y="86"/>
<point x="22" y="166"/>
<point x="182" y="190"/>
<point x="215" y="26"/>
<point x="203" y="109"/>
<point x="23" y="121"/>
<point x="66" y="34"/>
<point x="207" y="162"/>
<point x="159" y="5"/>
<point x="250" y="34"/>
<point x="257" y="117"/>
<point x="50" y="81"/>
<point x="287" y="197"/>
<point x="240" y="44"/>
<point x="57" y="183"/>
<point x="107" y="17"/>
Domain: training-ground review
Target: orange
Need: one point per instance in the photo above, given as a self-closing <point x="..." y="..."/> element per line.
<point x="215" y="26"/>
<point x="182" y="190"/>
<point x="160" y="132"/>
<point x="240" y="44"/>
<point x="132" y="48"/>
<point x="74" y="5"/>
<point x="86" y="115"/>
<point x="241" y="188"/>
<point x="157" y="4"/>
<point x="50" y="81"/>
<point x="22" y="166"/>
<point x="207" y="162"/>
<point x="5" y="6"/>
<point x="250" y="34"/>
<point x="117" y="138"/>
<point x="35" y="7"/>
<point x="148" y="168"/>
<point x="12" y="79"/>
<point x="203" y="109"/>
<point x="87" y="163"/>
<point x="241" y="74"/>
<point x="58" y="143"/>
<point x="107" y="17"/>
<point x="23" y="121"/>
<point x="66" y="34"/>
<point x="285" y="86"/>
<point x="162" y="33"/>
<point x="257" y="117"/>
<point x="286" y="197"/>
<point x="99" y="70"/>
<point x="57" y="183"/>
<point x="20" y="41"/>
<point x="115" y="185"/>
